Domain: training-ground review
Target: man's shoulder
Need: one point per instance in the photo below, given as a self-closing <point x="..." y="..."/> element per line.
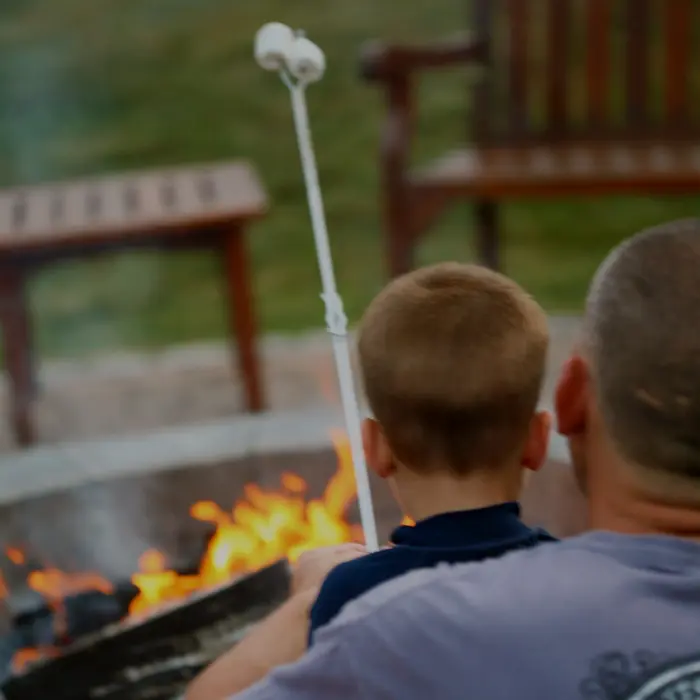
<point x="495" y="584"/>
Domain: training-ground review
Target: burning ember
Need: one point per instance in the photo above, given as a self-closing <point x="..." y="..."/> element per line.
<point x="261" y="528"/>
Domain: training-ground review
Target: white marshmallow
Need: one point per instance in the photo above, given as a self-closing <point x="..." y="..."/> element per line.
<point x="305" y="61"/>
<point x="273" y="44"/>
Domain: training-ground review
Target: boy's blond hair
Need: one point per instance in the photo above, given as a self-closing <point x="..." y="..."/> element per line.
<point x="452" y="359"/>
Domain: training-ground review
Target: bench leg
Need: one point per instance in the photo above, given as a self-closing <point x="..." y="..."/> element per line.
<point x="487" y="238"/>
<point x="242" y="316"/>
<point x="18" y="351"/>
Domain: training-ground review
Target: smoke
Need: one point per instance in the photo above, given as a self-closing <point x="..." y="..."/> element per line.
<point x="88" y="529"/>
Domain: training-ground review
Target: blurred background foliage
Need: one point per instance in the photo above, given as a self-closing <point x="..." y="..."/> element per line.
<point x="92" y="86"/>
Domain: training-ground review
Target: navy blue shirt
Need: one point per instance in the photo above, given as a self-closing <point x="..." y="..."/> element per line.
<point x="460" y="536"/>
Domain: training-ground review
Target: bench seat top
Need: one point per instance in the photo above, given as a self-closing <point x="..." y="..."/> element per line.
<point x="127" y="207"/>
<point x="617" y="168"/>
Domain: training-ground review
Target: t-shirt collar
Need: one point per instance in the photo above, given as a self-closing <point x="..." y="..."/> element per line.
<point x="464" y="528"/>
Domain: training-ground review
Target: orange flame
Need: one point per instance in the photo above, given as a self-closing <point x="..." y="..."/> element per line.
<point x="261" y="528"/>
<point x="25" y="657"/>
<point x="55" y="585"/>
<point x="16" y="556"/>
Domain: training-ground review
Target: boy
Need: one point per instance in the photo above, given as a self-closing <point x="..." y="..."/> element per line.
<point x="452" y="359"/>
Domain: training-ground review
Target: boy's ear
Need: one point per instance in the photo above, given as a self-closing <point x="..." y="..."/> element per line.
<point x="571" y="397"/>
<point x="535" y="451"/>
<point x="377" y="452"/>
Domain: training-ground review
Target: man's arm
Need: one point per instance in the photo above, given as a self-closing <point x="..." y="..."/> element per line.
<point x="325" y="672"/>
<point x="279" y="639"/>
<point x="433" y="633"/>
<point x="380" y="645"/>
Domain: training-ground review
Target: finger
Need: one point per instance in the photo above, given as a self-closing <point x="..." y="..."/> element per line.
<point x="355" y="546"/>
<point x="341" y="549"/>
<point x="348" y="556"/>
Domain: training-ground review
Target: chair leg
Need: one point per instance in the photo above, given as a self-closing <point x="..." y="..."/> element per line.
<point x="400" y="245"/>
<point x="487" y="235"/>
<point x="400" y="252"/>
<point x="18" y="351"/>
<point x="242" y="317"/>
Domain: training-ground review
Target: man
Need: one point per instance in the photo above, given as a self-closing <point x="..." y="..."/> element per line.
<point x="611" y="615"/>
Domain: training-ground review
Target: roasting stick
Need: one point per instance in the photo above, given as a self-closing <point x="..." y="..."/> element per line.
<point x="300" y="62"/>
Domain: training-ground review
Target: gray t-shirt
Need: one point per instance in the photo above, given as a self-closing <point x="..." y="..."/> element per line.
<point x="597" y="617"/>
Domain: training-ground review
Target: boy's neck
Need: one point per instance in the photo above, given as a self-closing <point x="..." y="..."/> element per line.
<point x="425" y="495"/>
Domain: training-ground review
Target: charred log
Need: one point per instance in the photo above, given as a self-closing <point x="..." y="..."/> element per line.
<point x="155" y="658"/>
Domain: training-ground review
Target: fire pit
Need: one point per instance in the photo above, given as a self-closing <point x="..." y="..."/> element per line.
<point x="98" y="537"/>
<point x="166" y="515"/>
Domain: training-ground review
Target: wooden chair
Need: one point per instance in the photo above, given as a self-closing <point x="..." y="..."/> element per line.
<point x="204" y="207"/>
<point x="574" y="98"/>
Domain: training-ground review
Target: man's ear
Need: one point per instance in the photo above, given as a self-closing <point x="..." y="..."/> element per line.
<point x="571" y="397"/>
<point x="377" y="452"/>
<point x="535" y="451"/>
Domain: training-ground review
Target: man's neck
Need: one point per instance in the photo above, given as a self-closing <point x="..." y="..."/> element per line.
<point x="425" y="496"/>
<point x="650" y="519"/>
<point x="631" y="506"/>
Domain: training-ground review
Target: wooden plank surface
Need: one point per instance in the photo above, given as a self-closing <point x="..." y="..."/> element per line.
<point x="482" y="93"/>
<point x="573" y="168"/>
<point x="519" y="69"/>
<point x="558" y="38"/>
<point x="598" y="40"/>
<point x="678" y="19"/>
<point x="638" y="61"/>
<point x="130" y="206"/>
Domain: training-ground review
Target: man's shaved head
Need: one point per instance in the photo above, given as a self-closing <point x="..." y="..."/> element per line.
<point x="643" y="342"/>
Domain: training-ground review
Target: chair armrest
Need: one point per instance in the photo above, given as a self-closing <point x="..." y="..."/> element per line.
<point x="395" y="66"/>
<point x="381" y="62"/>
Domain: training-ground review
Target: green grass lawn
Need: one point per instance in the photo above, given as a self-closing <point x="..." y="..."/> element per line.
<point x="89" y="86"/>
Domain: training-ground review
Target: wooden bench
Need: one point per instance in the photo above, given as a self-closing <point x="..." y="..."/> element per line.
<point x="203" y="207"/>
<point x="594" y="97"/>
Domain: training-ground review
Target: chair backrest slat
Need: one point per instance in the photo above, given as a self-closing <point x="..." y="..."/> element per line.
<point x="559" y="70"/>
<point x="482" y="97"/>
<point x="556" y="73"/>
<point x="518" y="74"/>
<point x="598" y="41"/>
<point x="678" y="17"/>
<point x="637" y="61"/>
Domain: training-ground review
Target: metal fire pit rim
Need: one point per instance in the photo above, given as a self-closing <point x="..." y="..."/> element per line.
<point x="123" y="625"/>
